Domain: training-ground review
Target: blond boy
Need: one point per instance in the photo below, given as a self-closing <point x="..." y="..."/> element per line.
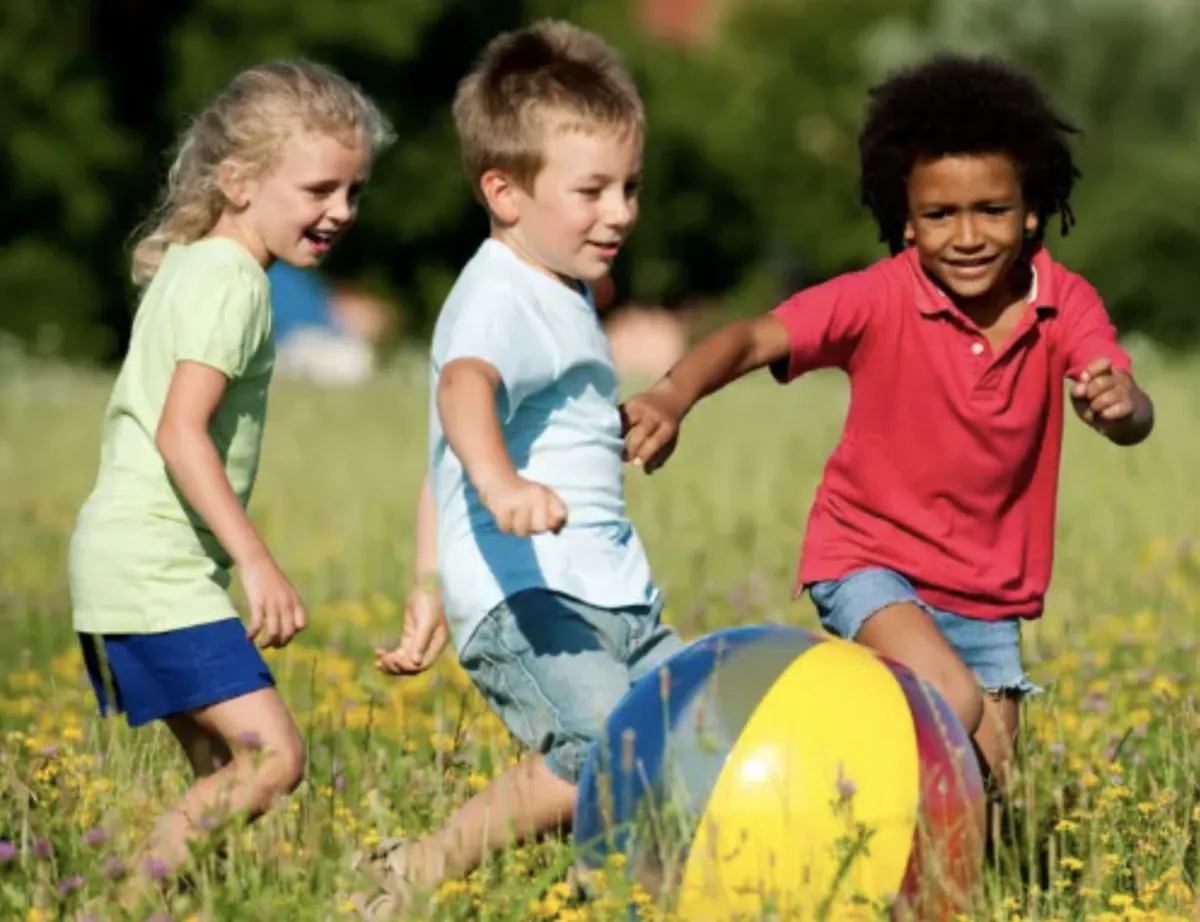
<point x="549" y="599"/>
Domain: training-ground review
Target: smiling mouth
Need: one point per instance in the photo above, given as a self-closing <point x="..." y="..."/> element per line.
<point x="321" y="237"/>
<point x="977" y="262"/>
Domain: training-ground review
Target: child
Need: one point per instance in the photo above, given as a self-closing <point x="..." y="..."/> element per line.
<point x="272" y="169"/>
<point x="931" y="535"/>
<point x="548" y="595"/>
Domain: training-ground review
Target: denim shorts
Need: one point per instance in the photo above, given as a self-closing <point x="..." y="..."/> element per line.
<point x="152" y="676"/>
<point x="553" y="668"/>
<point x="990" y="649"/>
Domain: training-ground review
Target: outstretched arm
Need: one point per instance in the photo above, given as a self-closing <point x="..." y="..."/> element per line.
<point x="817" y="327"/>
<point x="651" y="419"/>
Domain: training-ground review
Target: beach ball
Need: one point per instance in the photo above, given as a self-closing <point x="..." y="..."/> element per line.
<point x="772" y="772"/>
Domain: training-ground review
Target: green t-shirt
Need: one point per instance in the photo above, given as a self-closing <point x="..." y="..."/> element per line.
<point x="141" y="560"/>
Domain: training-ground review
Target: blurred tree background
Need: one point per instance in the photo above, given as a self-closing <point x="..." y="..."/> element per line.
<point x="750" y="162"/>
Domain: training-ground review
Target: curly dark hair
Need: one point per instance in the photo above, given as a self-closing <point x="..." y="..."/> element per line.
<point x="952" y="104"/>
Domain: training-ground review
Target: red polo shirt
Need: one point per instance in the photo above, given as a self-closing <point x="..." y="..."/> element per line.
<point x="947" y="470"/>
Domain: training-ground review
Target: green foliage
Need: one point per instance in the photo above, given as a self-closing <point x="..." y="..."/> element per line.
<point x="59" y="150"/>
<point x="1106" y="783"/>
<point x="751" y="185"/>
<point x="1123" y="71"/>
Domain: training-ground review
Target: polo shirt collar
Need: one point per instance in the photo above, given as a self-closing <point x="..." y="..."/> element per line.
<point x="932" y="301"/>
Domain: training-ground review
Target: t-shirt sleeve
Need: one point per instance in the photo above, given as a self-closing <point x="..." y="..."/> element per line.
<point x="1088" y="333"/>
<point x="221" y="319"/>
<point x="502" y="329"/>
<point x="825" y="323"/>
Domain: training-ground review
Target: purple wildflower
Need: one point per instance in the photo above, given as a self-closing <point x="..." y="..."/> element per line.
<point x="250" y="739"/>
<point x="8" y="852"/>
<point x="156" y="868"/>
<point x="112" y="867"/>
<point x="94" y="836"/>
<point x="846" y="787"/>
<point x="70" y="884"/>
<point x="42" y="848"/>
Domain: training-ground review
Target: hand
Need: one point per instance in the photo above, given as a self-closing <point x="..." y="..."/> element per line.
<point x="650" y="424"/>
<point x="522" y="507"/>
<point x="276" y="612"/>
<point x="423" y="638"/>
<point x="1103" y="395"/>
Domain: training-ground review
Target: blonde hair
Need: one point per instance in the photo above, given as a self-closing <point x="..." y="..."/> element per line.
<point x="550" y="74"/>
<point x="249" y="121"/>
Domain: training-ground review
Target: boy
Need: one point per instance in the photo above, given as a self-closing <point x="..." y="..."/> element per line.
<point x="931" y="535"/>
<point x="548" y="594"/>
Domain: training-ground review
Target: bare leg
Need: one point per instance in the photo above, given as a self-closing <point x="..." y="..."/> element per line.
<point x="206" y="752"/>
<point x="526" y="801"/>
<point x="245" y="752"/>
<point x="905" y="633"/>
<point x="995" y="741"/>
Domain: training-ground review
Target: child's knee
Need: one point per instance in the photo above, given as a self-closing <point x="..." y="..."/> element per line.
<point x="278" y="763"/>
<point x="288" y="769"/>
<point x="961" y="691"/>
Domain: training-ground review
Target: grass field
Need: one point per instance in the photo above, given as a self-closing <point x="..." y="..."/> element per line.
<point x="1116" y="654"/>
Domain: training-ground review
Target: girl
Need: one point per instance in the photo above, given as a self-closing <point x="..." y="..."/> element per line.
<point x="271" y="169"/>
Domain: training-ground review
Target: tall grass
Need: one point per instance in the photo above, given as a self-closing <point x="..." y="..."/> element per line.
<point x="1105" y="796"/>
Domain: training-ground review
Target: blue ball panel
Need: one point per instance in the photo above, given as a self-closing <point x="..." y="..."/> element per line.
<point x="654" y="721"/>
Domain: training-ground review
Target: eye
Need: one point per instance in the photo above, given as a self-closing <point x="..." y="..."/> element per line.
<point x="320" y="189"/>
<point x="632" y="188"/>
<point x="591" y="191"/>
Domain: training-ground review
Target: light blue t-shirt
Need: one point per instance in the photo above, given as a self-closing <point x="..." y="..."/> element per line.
<point x="557" y="406"/>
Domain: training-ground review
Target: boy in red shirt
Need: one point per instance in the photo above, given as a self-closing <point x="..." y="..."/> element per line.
<point x="931" y="534"/>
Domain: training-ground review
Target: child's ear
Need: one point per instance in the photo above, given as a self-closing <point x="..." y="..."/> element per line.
<point x="501" y="193"/>
<point x="1031" y="223"/>
<point x="234" y="183"/>
<point x="910" y="233"/>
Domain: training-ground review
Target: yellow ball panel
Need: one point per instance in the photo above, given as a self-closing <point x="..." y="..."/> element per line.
<point x="834" y="722"/>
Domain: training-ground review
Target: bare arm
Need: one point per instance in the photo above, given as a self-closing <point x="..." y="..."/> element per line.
<point x="651" y="419"/>
<point x="425" y="632"/>
<point x="192" y="460"/>
<point x="466" y="404"/>
<point x="425" y="566"/>
<point x="183" y="440"/>
<point x="721" y="358"/>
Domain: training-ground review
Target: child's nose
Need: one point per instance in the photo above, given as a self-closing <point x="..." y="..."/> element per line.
<point x="619" y="211"/>
<point x="340" y="208"/>
<point x="967" y="234"/>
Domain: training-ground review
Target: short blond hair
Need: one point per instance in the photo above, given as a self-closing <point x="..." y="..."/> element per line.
<point x="550" y="74"/>
<point x="249" y="120"/>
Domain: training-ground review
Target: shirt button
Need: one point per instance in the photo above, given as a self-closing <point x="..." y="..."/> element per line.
<point x="977" y="348"/>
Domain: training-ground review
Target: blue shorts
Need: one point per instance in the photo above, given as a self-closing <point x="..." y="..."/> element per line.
<point x="152" y="676"/>
<point x="553" y="668"/>
<point x="990" y="649"/>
